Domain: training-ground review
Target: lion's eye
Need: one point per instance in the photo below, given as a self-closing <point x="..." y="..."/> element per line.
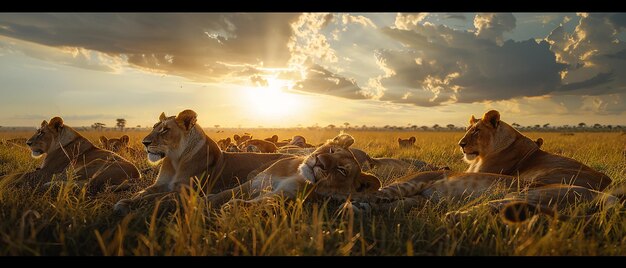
<point x="331" y="150"/>
<point x="343" y="171"/>
<point x="164" y="130"/>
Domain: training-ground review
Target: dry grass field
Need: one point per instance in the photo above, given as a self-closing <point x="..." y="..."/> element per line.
<point x="71" y="223"/>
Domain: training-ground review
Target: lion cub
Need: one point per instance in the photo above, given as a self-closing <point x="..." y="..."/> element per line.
<point x="330" y="171"/>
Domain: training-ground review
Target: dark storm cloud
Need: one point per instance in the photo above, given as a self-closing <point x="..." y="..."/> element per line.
<point x="442" y="65"/>
<point x="197" y="46"/>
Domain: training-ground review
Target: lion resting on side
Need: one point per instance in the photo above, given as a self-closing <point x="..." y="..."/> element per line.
<point x="64" y="147"/>
<point x="331" y="170"/>
<point x="185" y="151"/>
<point x="501" y="157"/>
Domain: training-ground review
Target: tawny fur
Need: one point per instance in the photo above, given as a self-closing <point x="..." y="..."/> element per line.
<point x="185" y="151"/>
<point x="64" y="147"/>
<point x="500" y="157"/>
<point x="328" y="171"/>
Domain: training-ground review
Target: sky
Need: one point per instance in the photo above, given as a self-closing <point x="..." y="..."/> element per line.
<point x="304" y="69"/>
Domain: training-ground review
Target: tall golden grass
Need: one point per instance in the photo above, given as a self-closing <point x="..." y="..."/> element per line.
<point x="70" y="223"/>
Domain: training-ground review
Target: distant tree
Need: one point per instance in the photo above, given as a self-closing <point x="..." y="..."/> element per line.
<point x="363" y="127"/>
<point x="596" y="125"/>
<point x="546" y="125"/>
<point x="582" y="125"/>
<point x="537" y="126"/>
<point x="346" y="124"/>
<point x="414" y="127"/>
<point x="450" y="126"/>
<point x="436" y="127"/>
<point x="98" y="126"/>
<point x="386" y="126"/>
<point x="216" y="126"/>
<point x="609" y="126"/>
<point x="331" y="126"/>
<point x="121" y="123"/>
<point x="515" y="125"/>
<point x="424" y="128"/>
<point x="138" y="126"/>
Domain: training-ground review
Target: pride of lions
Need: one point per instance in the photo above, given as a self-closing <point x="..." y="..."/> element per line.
<point x="245" y="171"/>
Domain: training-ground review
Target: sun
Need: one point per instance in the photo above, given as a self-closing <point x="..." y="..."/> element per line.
<point x="270" y="100"/>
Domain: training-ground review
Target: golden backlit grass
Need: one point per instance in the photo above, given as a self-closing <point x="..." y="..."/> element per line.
<point x="70" y="223"/>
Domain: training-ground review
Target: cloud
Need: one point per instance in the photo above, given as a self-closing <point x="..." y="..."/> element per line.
<point x="70" y="56"/>
<point x="455" y="16"/>
<point x="406" y="21"/>
<point x="491" y="26"/>
<point x="195" y="46"/>
<point x="363" y="21"/>
<point x="308" y="42"/>
<point x="592" y="53"/>
<point x="321" y="81"/>
<point x="441" y="65"/>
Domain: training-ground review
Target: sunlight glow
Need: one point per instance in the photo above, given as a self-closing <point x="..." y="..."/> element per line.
<point x="271" y="100"/>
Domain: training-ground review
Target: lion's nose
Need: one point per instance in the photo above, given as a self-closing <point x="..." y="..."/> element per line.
<point x="462" y="144"/>
<point x="146" y="143"/>
<point x="29" y="143"/>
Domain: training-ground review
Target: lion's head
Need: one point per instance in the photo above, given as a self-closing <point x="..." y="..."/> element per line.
<point x="223" y="143"/>
<point x="241" y="139"/>
<point x="50" y="136"/>
<point x="335" y="170"/>
<point x="115" y="144"/>
<point x="169" y="134"/>
<point x="273" y="139"/>
<point x="406" y="143"/>
<point x="486" y="136"/>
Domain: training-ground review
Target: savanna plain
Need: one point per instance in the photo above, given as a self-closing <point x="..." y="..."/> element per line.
<point x="69" y="222"/>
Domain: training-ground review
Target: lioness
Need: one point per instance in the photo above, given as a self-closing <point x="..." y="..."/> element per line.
<point x="241" y="139"/>
<point x="120" y="146"/>
<point x="500" y="156"/>
<point x="65" y="147"/>
<point x="406" y="143"/>
<point x="330" y="170"/>
<point x="273" y="139"/>
<point x="224" y="143"/>
<point x="260" y="146"/>
<point x="185" y="151"/>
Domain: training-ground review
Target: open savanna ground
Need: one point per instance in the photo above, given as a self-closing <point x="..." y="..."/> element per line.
<point x="71" y="223"/>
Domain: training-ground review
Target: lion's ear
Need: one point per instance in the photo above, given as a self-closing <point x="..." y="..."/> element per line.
<point x="125" y="139"/>
<point x="399" y="140"/>
<point x="236" y="138"/>
<point x="162" y="117"/>
<point x="274" y="138"/>
<point x="227" y="140"/>
<point x="412" y="139"/>
<point x="473" y="120"/>
<point x="492" y="117"/>
<point x="103" y="140"/>
<point x="343" y="140"/>
<point x="539" y="142"/>
<point x="366" y="183"/>
<point x="44" y="123"/>
<point x="186" y="119"/>
<point x="56" y="123"/>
